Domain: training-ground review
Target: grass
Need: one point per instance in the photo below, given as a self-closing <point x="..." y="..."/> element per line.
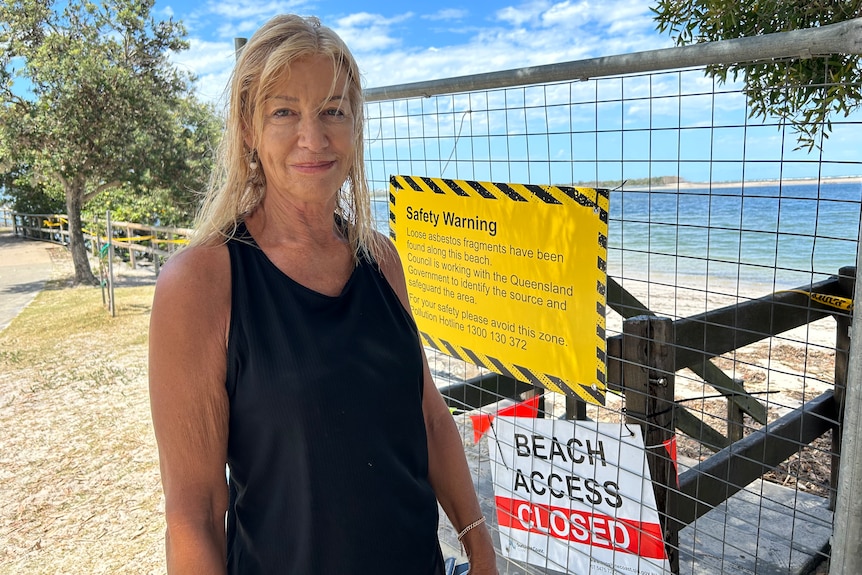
<point x="79" y="483"/>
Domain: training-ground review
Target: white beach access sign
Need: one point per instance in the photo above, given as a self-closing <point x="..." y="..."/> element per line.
<point x="575" y="496"/>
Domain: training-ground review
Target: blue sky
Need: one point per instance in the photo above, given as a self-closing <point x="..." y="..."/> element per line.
<point x="397" y="42"/>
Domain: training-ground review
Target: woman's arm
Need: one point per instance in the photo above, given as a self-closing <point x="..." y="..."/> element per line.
<point x="451" y="480"/>
<point x="448" y="470"/>
<point x="187" y="366"/>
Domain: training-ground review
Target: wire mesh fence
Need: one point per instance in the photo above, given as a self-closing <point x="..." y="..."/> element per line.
<point x="719" y="224"/>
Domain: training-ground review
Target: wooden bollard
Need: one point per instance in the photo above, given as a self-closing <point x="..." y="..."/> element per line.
<point x="847" y="283"/>
<point x="648" y="383"/>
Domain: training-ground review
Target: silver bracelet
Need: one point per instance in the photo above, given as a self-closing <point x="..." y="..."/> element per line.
<point x="473" y="525"/>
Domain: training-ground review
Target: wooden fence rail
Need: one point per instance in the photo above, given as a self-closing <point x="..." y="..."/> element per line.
<point x="135" y="243"/>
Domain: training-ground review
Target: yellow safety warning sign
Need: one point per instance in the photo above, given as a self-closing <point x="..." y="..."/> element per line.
<point x="511" y="277"/>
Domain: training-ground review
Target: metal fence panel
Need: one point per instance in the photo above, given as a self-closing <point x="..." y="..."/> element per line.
<point x="717" y="222"/>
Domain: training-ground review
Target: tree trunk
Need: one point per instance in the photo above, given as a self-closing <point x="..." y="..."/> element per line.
<point x="83" y="273"/>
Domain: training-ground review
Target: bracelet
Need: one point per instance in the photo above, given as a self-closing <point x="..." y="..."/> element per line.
<point x="473" y="525"/>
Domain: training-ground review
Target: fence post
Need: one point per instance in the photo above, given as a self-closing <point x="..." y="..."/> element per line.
<point x="154" y="246"/>
<point x="846" y="280"/>
<point x="648" y="382"/>
<point x="110" y="234"/>
<point x="847" y="524"/>
<point x="131" y="250"/>
<point x="735" y="418"/>
<point x="576" y="409"/>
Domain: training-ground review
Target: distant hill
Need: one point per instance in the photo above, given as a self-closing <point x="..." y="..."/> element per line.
<point x="639" y="182"/>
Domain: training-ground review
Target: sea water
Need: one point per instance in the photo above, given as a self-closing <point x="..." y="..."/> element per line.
<point x="784" y="235"/>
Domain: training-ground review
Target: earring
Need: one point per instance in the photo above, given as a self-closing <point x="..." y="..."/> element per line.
<point x="253" y="175"/>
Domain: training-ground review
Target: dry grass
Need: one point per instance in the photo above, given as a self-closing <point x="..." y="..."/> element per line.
<point x="79" y="483"/>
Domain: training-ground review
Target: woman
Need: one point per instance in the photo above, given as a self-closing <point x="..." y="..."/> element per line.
<point x="281" y="343"/>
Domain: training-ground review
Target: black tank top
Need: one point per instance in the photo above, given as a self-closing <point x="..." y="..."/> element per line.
<point x="327" y="448"/>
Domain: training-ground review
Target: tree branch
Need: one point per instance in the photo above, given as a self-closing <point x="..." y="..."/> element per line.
<point x="99" y="189"/>
<point x="13" y="98"/>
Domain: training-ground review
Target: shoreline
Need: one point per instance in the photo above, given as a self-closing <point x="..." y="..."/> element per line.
<point x="686" y="185"/>
<point x="381" y="194"/>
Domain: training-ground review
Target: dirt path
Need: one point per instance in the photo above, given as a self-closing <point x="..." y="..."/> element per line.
<point x="25" y="266"/>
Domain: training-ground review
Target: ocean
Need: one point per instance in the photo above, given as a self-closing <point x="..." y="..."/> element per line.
<point x="784" y="235"/>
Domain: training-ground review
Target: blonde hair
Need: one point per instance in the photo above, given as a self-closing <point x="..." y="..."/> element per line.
<point x="235" y="190"/>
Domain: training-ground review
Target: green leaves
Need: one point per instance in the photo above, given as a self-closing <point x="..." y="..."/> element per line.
<point x="99" y="89"/>
<point x="28" y="197"/>
<point x="802" y="92"/>
<point x="90" y="102"/>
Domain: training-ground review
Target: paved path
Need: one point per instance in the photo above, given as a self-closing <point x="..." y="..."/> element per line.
<point x="25" y="266"/>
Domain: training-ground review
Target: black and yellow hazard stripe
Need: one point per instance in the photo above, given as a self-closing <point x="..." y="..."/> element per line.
<point x="597" y="199"/>
<point x="593" y="393"/>
<point x="834" y="301"/>
<point x="594" y="198"/>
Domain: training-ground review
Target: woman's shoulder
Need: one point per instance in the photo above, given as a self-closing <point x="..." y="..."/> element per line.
<point x="384" y="254"/>
<point x="197" y="260"/>
<point x="389" y="263"/>
<point x="200" y="272"/>
<point x="190" y="316"/>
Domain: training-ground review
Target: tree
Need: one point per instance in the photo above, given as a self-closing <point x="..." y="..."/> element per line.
<point x="803" y="92"/>
<point x="90" y="102"/>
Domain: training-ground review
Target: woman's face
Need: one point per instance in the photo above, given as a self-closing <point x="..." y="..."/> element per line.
<point x="307" y="144"/>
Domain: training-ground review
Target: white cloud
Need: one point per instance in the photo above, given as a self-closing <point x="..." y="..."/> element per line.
<point x="364" y="32"/>
<point x="241" y="19"/>
<point x="529" y="34"/>
<point x="614" y="19"/>
<point x="213" y="87"/>
<point x="567" y="12"/>
<point x="242" y="29"/>
<point x="241" y="11"/>
<point x="367" y="20"/>
<point x="448" y="14"/>
<point x="526" y="13"/>
<point x="204" y="56"/>
<point x="211" y="62"/>
<point x="533" y="34"/>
